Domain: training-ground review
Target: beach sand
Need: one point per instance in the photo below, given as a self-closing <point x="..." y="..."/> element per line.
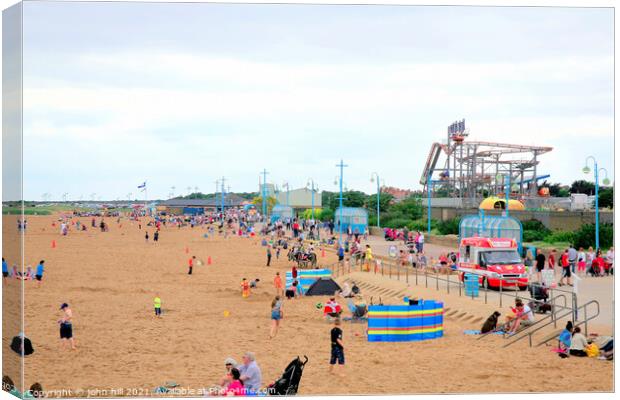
<point x="109" y="279"/>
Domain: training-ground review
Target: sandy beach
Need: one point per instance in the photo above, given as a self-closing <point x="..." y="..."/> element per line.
<point x="109" y="279"/>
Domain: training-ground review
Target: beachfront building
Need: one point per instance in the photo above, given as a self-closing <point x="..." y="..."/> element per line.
<point x="299" y="199"/>
<point x="200" y="206"/>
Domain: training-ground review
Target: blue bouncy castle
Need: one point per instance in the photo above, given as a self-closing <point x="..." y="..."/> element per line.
<point x="306" y="277"/>
<point x="405" y="323"/>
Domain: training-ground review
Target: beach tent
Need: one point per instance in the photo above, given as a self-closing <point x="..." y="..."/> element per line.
<point x="306" y="277"/>
<point x="18" y="341"/>
<point x="323" y="287"/>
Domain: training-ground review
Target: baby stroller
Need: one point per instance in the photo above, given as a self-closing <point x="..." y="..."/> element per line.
<point x="540" y="294"/>
<point x="288" y="384"/>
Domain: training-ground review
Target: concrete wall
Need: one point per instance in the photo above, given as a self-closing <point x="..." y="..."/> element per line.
<point x="560" y="220"/>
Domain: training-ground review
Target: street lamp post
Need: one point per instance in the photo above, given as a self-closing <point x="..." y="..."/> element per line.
<point x="264" y="194"/>
<point x="428" y="206"/>
<point x="311" y="182"/>
<point x="586" y="170"/>
<point x="287" y="190"/>
<point x="372" y="178"/>
<point x="341" y="166"/>
<point x="222" y="197"/>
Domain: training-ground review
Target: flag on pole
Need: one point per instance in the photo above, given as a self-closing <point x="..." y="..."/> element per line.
<point x="143" y="186"/>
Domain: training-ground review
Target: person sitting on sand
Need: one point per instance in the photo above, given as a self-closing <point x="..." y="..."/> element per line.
<point x="564" y="341"/>
<point x="332" y="308"/>
<point x="346" y="291"/>
<point x="229" y="364"/>
<point x="251" y="375"/>
<point x="578" y="343"/>
<point x="254" y="283"/>
<point x="235" y="387"/>
<point x="524" y="317"/>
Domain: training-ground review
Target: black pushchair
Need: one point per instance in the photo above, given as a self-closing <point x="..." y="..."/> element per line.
<point x="540" y="295"/>
<point x="288" y="384"/>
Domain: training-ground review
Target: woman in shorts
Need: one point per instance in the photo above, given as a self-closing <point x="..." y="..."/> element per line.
<point x="276" y="316"/>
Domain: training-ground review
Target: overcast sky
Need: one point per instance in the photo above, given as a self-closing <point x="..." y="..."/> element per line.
<point x="181" y="94"/>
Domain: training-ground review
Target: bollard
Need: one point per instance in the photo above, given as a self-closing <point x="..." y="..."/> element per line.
<point x="500" y="293"/>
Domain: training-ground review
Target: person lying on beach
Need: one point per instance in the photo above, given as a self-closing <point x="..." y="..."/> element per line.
<point x="346" y="291"/>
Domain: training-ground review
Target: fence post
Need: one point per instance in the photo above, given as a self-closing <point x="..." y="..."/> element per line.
<point x="585" y="318"/>
<point x="461" y="284"/>
<point x="500" y="293"/>
<point x="390" y="271"/>
<point x="407" y="275"/>
<point x="437" y="281"/>
<point x="416" y="276"/>
<point x="426" y="277"/>
<point x="448" y="283"/>
<point x="486" y="290"/>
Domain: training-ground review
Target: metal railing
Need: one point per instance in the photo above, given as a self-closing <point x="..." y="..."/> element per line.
<point x="452" y="282"/>
<point x="529" y="332"/>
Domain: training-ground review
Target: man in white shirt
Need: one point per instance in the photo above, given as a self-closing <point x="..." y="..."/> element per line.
<point x="524" y="316"/>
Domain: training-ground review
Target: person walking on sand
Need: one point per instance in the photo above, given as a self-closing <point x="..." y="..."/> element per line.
<point x="156" y="236"/>
<point x="146" y="236"/>
<point x="5" y="270"/>
<point x="39" y="274"/>
<point x="268" y="254"/>
<point x="337" y="353"/>
<point x="191" y="264"/>
<point x="277" y="283"/>
<point x="276" y="316"/>
<point x="66" y="327"/>
<point x="157" y="305"/>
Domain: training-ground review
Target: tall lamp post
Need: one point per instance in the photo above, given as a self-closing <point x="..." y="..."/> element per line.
<point x="311" y="184"/>
<point x="341" y="166"/>
<point x="586" y="170"/>
<point x="222" y="197"/>
<point x="264" y="194"/>
<point x="372" y="179"/>
<point x="287" y="191"/>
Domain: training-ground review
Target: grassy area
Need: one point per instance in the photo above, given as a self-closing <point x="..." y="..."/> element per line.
<point x="560" y="246"/>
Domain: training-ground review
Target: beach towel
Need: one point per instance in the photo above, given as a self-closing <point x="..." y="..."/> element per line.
<point x="477" y="332"/>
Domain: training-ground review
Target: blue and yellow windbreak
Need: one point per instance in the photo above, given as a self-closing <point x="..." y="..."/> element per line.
<point x="404" y="323"/>
<point x="307" y="277"/>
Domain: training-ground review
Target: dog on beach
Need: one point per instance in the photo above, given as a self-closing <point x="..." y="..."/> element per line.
<point x="491" y="323"/>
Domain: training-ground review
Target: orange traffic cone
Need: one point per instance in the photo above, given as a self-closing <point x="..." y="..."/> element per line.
<point x="209" y="260"/>
<point x="53" y="244"/>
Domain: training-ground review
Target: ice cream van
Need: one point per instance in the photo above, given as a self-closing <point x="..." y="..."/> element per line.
<point x="496" y="260"/>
